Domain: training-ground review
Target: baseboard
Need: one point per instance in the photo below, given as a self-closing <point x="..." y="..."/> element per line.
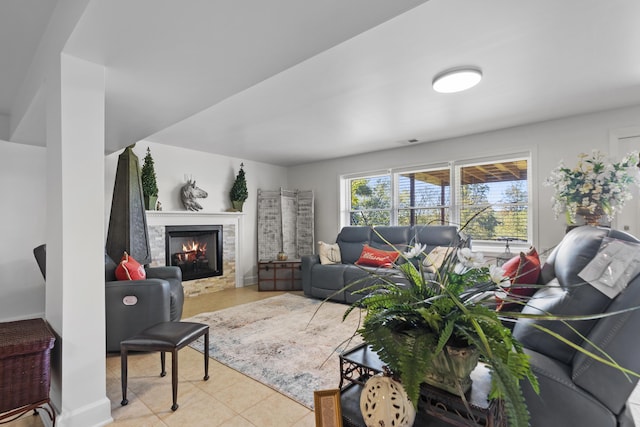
<point x="25" y="317"/>
<point x="96" y="414"/>
<point x="249" y="281"/>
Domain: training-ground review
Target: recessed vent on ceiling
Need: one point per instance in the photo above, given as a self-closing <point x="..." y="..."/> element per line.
<point x="411" y="141"/>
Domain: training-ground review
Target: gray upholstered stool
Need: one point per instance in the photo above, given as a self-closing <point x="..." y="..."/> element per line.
<point x="165" y="337"/>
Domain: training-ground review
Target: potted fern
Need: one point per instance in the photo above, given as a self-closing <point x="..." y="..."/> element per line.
<point x="239" y="193"/>
<point x="149" y="184"/>
<point x="440" y="324"/>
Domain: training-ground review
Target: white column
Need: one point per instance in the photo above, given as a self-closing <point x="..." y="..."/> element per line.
<point x="75" y="240"/>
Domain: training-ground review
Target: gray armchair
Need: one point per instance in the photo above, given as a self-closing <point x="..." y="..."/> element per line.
<point x="134" y="305"/>
<point x="575" y="390"/>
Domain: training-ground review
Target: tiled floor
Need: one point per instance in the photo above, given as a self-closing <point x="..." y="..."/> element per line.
<point x="227" y="399"/>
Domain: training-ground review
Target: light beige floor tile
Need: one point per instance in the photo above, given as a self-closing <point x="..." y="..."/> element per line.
<point x="156" y="393"/>
<point x="275" y="411"/>
<point x="27" y="420"/>
<point x="136" y="420"/>
<point x="243" y="394"/>
<point x="222" y="377"/>
<point x="191" y="364"/>
<point x="201" y="410"/>
<point x="308" y="420"/>
<point x="237" y="421"/>
<point x="113" y="365"/>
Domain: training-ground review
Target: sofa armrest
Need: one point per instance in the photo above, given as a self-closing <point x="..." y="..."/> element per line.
<point x="173" y="275"/>
<point x="134" y="305"/>
<point x="617" y="337"/>
<point x="169" y="272"/>
<point x="308" y="261"/>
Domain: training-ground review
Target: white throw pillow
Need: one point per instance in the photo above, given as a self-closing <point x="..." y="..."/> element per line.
<point x="433" y="261"/>
<point x="329" y="253"/>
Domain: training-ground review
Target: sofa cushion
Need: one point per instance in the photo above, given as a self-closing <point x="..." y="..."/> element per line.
<point x="434" y="259"/>
<point x="390" y="238"/>
<point x="351" y="240"/>
<point x="330" y="276"/>
<point x="435" y="235"/>
<point x="329" y="253"/>
<point x="522" y="269"/>
<point x="130" y="269"/>
<point x="373" y="257"/>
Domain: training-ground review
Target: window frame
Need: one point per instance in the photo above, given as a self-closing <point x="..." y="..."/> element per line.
<point x="423" y="168"/>
<point x="345" y="189"/>
<point x="495" y="245"/>
<point x="454" y="167"/>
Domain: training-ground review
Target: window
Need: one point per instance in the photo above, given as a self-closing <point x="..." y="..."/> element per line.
<point x="424" y="197"/>
<point x="493" y="196"/>
<point x="370" y="200"/>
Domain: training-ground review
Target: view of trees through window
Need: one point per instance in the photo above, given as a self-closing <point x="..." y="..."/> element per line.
<point x="494" y="196"/>
<point x="497" y="195"/>
<point x="371" y="200"/>
<point x="424" y="197"/>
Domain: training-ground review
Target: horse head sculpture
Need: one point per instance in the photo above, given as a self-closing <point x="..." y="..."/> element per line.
<point x="189" y="193"/>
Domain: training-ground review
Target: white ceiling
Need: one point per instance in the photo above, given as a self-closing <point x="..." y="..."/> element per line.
<point x="293" y="81"/>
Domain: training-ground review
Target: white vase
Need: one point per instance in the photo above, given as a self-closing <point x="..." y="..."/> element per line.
<point x="384" y="402"/>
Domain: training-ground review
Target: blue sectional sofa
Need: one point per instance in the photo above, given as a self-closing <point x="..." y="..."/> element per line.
<point x="329" y="280"/>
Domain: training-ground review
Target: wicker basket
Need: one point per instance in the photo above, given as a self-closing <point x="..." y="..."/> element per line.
<point x="25" y="348"/>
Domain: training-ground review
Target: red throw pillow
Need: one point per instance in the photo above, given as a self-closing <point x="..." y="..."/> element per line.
<point x="373" y="257"/>
<point x="130" y="269"/>
<point x="523" y="269"/>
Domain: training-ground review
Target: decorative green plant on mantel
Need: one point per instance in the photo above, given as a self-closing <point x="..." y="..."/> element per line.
<point x="149" y="184"/>
<point x="239" y="193"/>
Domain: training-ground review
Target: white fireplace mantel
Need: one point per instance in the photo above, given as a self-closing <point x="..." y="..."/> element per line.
<point x="193" y="218"/>
<point x="164" y="218"/>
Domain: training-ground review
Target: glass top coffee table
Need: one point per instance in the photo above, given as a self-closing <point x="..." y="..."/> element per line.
<point x="437" y="408"/>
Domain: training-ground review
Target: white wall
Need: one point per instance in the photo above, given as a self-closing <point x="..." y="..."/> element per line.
<point x="549" y="142"/>
<point x="214" y="174"/>
<point x="23" y="195"/>
<point x="23" y="171"/>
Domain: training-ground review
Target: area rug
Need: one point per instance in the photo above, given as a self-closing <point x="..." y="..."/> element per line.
<point x="287" y="342"/>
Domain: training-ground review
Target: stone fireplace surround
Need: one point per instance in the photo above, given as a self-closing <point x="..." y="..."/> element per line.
<point x="231" y="233"/>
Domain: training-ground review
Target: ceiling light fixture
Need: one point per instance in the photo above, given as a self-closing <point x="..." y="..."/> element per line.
<point x="457" y="79"/>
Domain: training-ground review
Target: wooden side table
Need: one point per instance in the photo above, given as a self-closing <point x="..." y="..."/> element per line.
<point x="280" y="275"/>
<point x="25" y="372"/>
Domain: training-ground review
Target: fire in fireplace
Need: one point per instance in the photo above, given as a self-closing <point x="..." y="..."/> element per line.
<point x="196" y="249"/>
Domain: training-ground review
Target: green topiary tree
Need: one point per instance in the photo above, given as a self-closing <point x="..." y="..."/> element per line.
<point x="239" y="193"/>
<point x="149" y="184"/>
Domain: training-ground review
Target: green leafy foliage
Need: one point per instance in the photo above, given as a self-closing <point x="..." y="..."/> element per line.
<point x="408" y="325"/>
<point x="239" y="191"/>
<point x="148" y="176"/>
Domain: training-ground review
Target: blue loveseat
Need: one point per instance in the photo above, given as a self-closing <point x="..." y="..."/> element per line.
<point x="329" y="280"/>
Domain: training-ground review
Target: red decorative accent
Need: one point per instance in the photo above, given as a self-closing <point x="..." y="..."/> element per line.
<point x="373" y="257"/>
<point x="130" y="269"/>
<point x="523" y="269"/>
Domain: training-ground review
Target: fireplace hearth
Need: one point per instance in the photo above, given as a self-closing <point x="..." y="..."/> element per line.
<point x="196" y="249"/>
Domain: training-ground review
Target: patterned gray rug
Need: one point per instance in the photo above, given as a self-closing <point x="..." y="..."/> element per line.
<point x="276" y="342"/>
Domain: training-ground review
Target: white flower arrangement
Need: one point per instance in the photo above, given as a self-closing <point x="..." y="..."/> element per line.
<point x="595" y="185"/>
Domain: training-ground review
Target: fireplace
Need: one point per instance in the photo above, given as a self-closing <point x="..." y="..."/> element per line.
<point x="196" y="249"/>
